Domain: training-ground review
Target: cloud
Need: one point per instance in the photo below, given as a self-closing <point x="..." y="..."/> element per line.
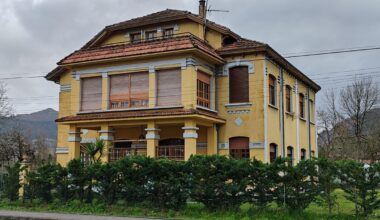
<point x="38" y="33"/>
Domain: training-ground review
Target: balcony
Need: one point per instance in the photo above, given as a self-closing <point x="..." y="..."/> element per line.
<point x="171" y="152"/>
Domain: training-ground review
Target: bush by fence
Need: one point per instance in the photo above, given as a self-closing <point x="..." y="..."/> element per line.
<point x="216" y="181"/>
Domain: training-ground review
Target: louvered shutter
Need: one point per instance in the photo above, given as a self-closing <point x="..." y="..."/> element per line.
<point x="169" y="87"/>
<point x="239" y="84"/>
<point x="119" y="87"/>
<point x="139" y="89"/>
<point x="91" y="94"/>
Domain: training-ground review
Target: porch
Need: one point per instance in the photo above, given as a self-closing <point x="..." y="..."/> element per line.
<point x="176" y="140"/>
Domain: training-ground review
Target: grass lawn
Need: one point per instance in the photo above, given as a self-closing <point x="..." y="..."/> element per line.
<point x="343" y="210"/>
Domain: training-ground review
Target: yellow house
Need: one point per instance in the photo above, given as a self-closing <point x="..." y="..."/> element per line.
<point x="174" y="84"/>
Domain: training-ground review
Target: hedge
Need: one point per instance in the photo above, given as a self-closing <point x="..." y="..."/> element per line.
<point x="218" y="182"/>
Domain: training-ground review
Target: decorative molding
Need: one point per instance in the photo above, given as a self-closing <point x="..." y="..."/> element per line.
<point x="256" y="145"/>
<point x="65" y="88"/>
<point x="190" y="128"/>
<point x="176" y="27"/>
<point x="152" y="129"/>
<point x="152" y="69"/>
<point x="152" y="136"/>
<point x="88" y="140"/>
<point x="238" y="121"/>
<point x="106" y="137"/>
<point x="190" y="135"/>
<point x="224" y="146"/>
<point x="248" y="63"/>
<point x="105" y="75"/>
<point x="243" y="104"/>
<point x="182" y="62"/>
<point x="238" y="112"/>
<point x="74" y="139"/>
<point x="62" y="150"/>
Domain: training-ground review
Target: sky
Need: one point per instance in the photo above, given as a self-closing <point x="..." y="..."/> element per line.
<point x="36" y="34"/>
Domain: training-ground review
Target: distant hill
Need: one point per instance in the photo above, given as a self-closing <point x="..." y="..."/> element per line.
<point x="34" y="124"/>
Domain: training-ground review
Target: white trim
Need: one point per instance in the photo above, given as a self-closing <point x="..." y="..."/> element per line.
<point x="238" y="62"/>
<point x="243" y="104"/>
<point x="190" y="135"/>
<point x="65" y="88"/>
<point x="207" y="109"/>
<point x="190" y="128"/>
<point x="224" y="146"/>
<point x="104" y="75"/>
<point x="152" y="137"/>
<point x="256" y="145"/>
<point x="152" y="129"/>
<point x="128" y="67"/>
<point x="106" y="137"/>
<point x="88" y="140"/>
<point x="266" y="150"/>
<point x="62" y="150"/>
<point x="74" y="139"/>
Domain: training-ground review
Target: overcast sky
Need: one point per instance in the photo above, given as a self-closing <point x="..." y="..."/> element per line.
<point x="35" y="34"/>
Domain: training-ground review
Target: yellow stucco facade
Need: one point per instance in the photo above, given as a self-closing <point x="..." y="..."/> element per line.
<point x="191" y="133"/>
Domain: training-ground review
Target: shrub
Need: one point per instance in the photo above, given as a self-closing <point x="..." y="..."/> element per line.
<point x="169" y="186"/>
<point x="62" y="184"/>
<point x="327" y="182"/>
<point x="216" y="181"/>
<point x="360" y="182"/>
<point x="296" y="185"/>
<point x="41" y="183"/>
<point x="77" y="178"/>
<point x="106" y="177"/>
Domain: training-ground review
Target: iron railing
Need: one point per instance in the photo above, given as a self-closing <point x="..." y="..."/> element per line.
<point x="172" y="152"/>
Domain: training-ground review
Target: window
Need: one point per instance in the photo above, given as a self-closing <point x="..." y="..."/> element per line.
<point x="150" y="35"/>
<point x="91" y="94"/>
<point x="239" y="84"/>
<point x="273" y="152"/>
<point x="169" y="87"/>
<point x="169" y="32"/>
<point x="303" y="154"/>
<point x="311" y="110"/>
<point x="135" y="37"/>
<point x="129" y="90"/>
<point x="239" y="147"/>
<point x="302" y="105"/>
<point x="203" y="90"/>
<point x="312" y="153"/>
<point x="272" y="90"/>
<point x="288" y="98"/>
<point x="290" y="154"/>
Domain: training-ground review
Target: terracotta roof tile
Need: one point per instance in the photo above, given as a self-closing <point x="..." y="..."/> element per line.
<point x="240" y="44"/>
<point x="137" y="114"/>
<point x="124" y="50"/>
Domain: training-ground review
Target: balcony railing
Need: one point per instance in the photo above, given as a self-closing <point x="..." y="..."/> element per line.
<point x="119" y="153"/>
<point x="172" y="152"/>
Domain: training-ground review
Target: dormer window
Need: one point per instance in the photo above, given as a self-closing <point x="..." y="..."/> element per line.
<point x="150" y="35"/>
<point x="135" y="37"/>
<point x="168" y="32"/>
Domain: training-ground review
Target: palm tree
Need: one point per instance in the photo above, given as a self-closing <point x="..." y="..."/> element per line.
<point x="95" y="150"/>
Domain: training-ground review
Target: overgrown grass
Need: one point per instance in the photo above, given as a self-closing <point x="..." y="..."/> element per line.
<point x="343" y="210"/>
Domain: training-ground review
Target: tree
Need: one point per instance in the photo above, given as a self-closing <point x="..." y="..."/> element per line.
<point x="327" y="182"/>
<point x="94" y="150"/>
<point x="5" y="108"/>
<point x="12" y="182"/>
<point x="15" y="146"/>
<point x="357" y="101"/>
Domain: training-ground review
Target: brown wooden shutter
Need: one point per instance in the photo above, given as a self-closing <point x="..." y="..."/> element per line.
<point x="119" y="87"/>
<point x="239" y="143"/>
<point x="239" y="84"/>
<point x="203" y="77"/>
<point x="169" y="87"/>
<point x="139" y="89"/>
<point x="91" y="94"/>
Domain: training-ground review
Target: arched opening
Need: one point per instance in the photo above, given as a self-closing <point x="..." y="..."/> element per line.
<point x="239" y="147"/>
<point x="273" y="152"/>
<point x="303" y="154"/>
<point x="290" y="154"/>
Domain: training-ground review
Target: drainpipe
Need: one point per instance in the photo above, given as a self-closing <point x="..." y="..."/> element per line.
<point x="282" y="121"/>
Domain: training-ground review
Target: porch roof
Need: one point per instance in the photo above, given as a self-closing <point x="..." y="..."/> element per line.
<point x="144" y="113"/>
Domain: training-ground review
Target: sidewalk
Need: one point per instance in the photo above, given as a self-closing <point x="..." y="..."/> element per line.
<point x="17" y="215"/>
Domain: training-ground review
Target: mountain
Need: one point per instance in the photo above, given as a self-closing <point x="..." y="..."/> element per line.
<point x="41" y="123"/>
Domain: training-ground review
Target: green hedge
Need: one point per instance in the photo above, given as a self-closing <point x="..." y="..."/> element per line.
<point x="218" y="182"/>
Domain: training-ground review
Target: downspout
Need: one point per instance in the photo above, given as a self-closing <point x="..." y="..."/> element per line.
<point x="308" y="121"/>
<point x="282" y="121"/>
<point x="216" y="107"/>
<point x="265" y="112"/>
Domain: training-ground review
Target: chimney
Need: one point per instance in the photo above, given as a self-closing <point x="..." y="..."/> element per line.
<point x="202" y="8"/>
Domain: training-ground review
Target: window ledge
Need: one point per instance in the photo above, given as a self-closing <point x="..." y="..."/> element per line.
<point x="290" y="114"/>
<point x="273" y="107"/>
<point x="243" y="104"/>
<point x="129" y="109"/>
<point x="302" y="119"/>
<point x="207" y="109"/>
<point x="312" y="122"/>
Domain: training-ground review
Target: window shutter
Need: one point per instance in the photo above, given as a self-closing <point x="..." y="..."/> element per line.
<point x="239" y="143"/>
<point x="239" y="84"/>
<point x="119" y="87"/>
<point x="169" y="87"/>
<point x="91" y="94"/>
<point x="139" y="89"/>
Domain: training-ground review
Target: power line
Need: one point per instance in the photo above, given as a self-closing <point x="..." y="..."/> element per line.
<point x="306" y="54"/>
